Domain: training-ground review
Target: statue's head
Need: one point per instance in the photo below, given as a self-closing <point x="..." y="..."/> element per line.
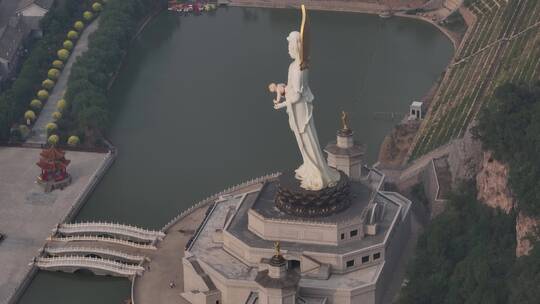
<point x="294" y="45"/>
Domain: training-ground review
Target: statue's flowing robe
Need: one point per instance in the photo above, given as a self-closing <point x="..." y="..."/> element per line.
<point x="314" y="173"/>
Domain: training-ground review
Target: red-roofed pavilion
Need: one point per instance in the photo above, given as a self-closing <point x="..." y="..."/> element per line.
<point x="53" y="164"/>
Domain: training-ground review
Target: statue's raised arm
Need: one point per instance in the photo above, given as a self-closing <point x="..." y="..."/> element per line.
<point x="314" y="173"/>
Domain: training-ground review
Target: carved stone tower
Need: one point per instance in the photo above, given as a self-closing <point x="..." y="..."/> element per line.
<point x="344" y="154"/>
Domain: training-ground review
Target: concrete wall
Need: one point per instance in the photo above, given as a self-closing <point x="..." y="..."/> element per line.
<point x="305" y="232"/>
<point x="253" y="256"/>
<point x="232" y="291"/>
<point x="396" y="243"/>
<point x="362" y="295"/>
<point x="302" y="232"/>
<point x="192" y="281"/>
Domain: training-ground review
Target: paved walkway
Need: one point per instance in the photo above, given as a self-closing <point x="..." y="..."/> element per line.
<point x="27" y="214"/>
<point x="166" y="265"/>
<point x="39" y="131"/>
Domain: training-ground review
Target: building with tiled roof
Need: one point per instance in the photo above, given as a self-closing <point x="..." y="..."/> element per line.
<point x="11" y="46"/>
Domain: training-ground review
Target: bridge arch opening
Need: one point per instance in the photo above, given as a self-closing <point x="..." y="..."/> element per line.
<point x="84" y="272"/>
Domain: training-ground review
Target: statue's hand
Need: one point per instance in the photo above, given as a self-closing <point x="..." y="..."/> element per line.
<point x="280" y="105"/>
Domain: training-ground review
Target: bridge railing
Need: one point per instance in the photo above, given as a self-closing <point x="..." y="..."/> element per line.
<point x="109" y="231"/>
<point x="91" y="238"/>
<point x="116" y="226"/>
<point x="89" y="262"/>
<point x="94" y="250"/>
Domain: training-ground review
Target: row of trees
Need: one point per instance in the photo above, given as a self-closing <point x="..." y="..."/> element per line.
<point x="15" y="100"/>
<point x="48" y="84"/>
<point x="86" y="94"/>
<point x="53" y="131"/>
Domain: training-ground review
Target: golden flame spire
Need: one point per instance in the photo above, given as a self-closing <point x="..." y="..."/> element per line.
<point x="304" y="40"/>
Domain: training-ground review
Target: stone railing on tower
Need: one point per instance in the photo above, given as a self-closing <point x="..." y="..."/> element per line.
<point x="212" y="198"/>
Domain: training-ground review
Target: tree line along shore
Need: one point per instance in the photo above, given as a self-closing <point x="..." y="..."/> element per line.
<point x="83" y="112"/>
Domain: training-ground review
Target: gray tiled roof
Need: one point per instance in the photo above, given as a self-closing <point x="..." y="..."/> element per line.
<point x="46" y="4"/>
<point x="12" y="37"/>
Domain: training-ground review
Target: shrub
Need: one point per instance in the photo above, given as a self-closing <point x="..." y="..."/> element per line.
<point x="56" y="115"/>
<point x="47" y="84"/>
<point x="36" y="104"/>
<point x="53" y="139"/>
<point x="61" y="105"/>
<point x="24" y="130"/>
<point x="97" y="7"/>
<point x="79" y="25"/>
<point x="73" y="140"/>
<point x="42" y="95"/>
<point x="72" y="35"/>
<point x="68" y="45"/>
<point x="51" y="127"/>
<point x="63" y="54"/>
<point x="53" y="73"/>
<point x="88" y="15"/>
<point x="15" y="96"/>
<point x="29" y="116"/>
<point x="58" y="64"/>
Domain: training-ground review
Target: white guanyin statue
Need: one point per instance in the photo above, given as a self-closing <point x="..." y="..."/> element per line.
<point x="314" y="174"/>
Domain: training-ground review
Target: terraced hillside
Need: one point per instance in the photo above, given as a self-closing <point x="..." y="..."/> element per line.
<point x="503" y="45"/>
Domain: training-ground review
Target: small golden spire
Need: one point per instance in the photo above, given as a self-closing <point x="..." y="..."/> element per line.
<point x="345" y="121"/>
<point x="277" y="249"/>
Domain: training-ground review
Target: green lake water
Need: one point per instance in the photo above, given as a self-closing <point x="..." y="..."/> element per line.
<point x="192" y="114"/>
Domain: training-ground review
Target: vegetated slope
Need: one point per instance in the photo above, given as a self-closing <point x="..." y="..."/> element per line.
<point x="467" y="254"/>
<point x="502" y="46"/>
<point x="464" y="256"/>
<point x="510" y="127"/>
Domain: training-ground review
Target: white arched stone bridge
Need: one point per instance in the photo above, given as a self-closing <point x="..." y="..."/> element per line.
<point x="103" y="253"/>
<point x="96" y="265"/>
<point x="101" y="239"/>
<point x="112" y="229"/>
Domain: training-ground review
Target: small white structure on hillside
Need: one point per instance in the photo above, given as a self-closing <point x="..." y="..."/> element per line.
<point x="415" y="111"/>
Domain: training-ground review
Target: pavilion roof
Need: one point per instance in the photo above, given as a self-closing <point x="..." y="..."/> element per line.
<point x="53" y="153"/>
<point x="53" y="158"/>
<point x="52" y="165"/>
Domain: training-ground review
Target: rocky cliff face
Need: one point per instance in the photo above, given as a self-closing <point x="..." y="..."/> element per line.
<point x="527" y="228"/>
<point x="493" y="190"/>
<point x="492" y="184"/>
